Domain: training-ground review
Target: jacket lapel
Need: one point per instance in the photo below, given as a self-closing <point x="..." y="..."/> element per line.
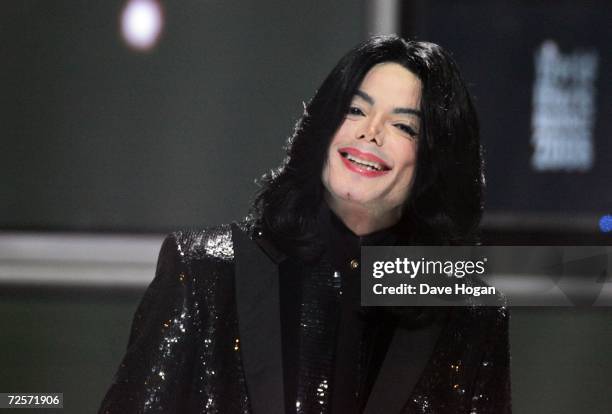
<point x="405" y="361"/>
<point x="258" y="306"/>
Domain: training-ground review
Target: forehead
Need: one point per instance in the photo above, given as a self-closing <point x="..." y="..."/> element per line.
<point x="392" y="82"/>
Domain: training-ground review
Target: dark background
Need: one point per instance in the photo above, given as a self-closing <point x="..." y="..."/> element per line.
<point x="494" y="44"/>
<point x="98" y="137"/>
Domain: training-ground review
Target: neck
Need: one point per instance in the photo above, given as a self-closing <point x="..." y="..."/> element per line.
<point x="362" y="220"/>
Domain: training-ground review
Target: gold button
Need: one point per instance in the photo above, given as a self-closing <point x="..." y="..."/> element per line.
<point x="354" y="264"/>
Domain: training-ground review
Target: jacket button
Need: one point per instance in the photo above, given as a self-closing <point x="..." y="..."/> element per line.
<point x="354" y="264"/>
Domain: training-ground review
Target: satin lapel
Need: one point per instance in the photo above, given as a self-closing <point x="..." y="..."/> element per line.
<point x="258" y="305"/>
<point x="406" y="359"/>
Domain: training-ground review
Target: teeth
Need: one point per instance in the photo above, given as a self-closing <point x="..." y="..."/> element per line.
<point x="372" y="165"/>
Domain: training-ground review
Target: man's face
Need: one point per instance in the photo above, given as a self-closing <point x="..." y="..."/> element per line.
<point x="372" y="156"/>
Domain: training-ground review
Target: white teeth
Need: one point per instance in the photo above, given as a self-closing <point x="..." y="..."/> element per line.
<point x="370" y="164"/>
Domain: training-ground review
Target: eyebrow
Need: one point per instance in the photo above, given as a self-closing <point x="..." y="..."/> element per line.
<point x="370" y="100"/>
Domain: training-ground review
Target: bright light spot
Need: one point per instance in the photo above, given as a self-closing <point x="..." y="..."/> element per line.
<point x="605" y="224"/>
<point x="141" y="23"/>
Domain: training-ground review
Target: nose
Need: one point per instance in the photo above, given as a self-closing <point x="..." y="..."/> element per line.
<point x="373" y="131"/>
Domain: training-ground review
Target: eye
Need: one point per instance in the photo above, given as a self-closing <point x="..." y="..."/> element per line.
<point x="353" y="110"/>
<point x="407" y="129"/>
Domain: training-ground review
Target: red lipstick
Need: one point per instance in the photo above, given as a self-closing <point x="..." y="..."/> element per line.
<point x="361" y="162"/>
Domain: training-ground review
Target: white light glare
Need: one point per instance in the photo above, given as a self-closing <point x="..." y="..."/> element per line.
<point x="141" y="23"/>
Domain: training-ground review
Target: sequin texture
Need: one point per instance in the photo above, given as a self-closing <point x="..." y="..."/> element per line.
<point x="185" y="352"/>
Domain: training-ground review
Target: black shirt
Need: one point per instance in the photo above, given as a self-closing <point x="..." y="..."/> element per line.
<point x="332" y="347"/>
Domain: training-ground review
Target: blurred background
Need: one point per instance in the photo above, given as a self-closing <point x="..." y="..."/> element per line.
<point x="123" y="120"/>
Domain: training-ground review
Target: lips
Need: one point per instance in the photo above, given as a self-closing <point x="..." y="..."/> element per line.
<point x="364" y="163"/>
<point x="365" y="159"/>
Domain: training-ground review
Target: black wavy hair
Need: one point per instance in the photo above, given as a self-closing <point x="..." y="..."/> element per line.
<point x="444" y="205"/>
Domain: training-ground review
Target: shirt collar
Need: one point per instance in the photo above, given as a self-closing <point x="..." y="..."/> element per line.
<point x="342" y="244"/>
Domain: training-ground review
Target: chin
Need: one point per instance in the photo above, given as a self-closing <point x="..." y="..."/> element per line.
<point x="351" y="188"/>
<point x="354" y="195"/>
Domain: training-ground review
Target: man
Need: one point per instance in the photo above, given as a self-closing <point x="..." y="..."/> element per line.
<point x="263" y="316"/>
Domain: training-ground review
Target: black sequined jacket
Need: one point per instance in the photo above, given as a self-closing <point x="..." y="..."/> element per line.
<point x="206" y="338"/>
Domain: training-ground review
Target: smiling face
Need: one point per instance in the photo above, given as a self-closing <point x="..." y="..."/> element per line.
<point x="371" y="158"/>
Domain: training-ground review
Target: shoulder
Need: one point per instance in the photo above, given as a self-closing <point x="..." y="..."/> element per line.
<point x="213" y="243"/>
<point x="483" y="318"/>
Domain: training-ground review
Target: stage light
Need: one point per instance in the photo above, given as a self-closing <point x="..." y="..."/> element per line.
<point x="141" y="23"/>
<point x="605" y="223"/>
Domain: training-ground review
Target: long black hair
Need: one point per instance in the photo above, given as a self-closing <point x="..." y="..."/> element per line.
<point x="444" y="205"/>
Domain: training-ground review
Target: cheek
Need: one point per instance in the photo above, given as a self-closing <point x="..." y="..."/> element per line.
<point x="329" y="170"/>
<point x="404" y="153"/>
<point x="333" y="163"/>
<point x="407" y="167"/>
<point x="344" y="134"/>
